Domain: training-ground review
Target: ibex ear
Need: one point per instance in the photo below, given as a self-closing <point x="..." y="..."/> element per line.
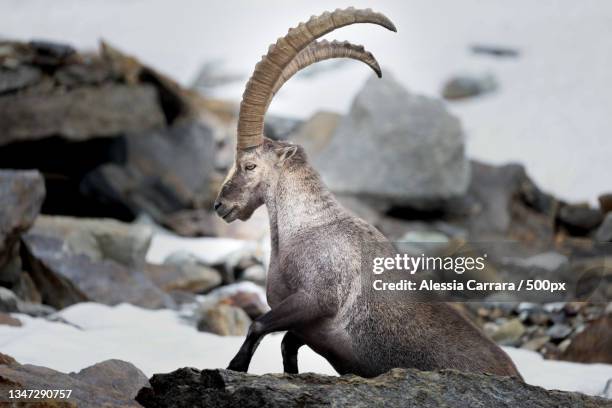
<point x="285" y="153"/>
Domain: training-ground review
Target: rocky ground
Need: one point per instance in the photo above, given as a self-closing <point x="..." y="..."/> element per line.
<point x="189" y="387"/>
<point x="108" y="165"/>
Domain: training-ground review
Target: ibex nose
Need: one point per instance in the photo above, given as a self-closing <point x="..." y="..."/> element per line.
<point x="217" y="205"/>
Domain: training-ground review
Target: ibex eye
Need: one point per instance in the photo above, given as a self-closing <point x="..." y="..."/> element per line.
<point x="250" y="166"/>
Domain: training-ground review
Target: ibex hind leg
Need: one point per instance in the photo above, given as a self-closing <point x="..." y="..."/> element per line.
<point x="289" y="349"/>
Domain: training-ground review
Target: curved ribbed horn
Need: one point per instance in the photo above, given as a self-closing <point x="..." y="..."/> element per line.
<point x="267" y="71"/>
<point x="322" y="50"/>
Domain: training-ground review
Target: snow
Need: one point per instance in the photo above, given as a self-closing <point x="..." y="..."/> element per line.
<point x="552" y="111"/>
<point x="161" y="341"/>
<point x="208" y="250"/>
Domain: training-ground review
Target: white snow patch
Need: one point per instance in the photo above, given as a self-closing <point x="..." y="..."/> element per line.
<point x="160" y="341"/>
<point x="560" y="375"/>
<point x="207" y="250"/>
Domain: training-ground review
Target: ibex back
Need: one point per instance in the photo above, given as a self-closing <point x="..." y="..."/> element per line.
<point x="314" y="278"/>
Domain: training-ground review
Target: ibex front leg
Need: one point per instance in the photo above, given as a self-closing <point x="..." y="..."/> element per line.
<point x="294" y="311"/>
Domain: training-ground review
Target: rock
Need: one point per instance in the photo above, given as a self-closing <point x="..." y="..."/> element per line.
<point x="533" y="314"/>
<point x="8" y="301"/>
<point x="222" y="293"/>
<point x="554" y="307"/>
<point x="152" y="180"/>
<point x="236" y="263"/>
<point x="605" y="203"/>
<point x="538" y="318"/>
<point x="503" y="202"/>
<point x="414" y="149"/>
<point x="8" y="320"/>
<point x="64" y="278"/>
<point x="180" y="258"/>
<point x="186" y="275"/>
<point x="573" y="308"/>
<point x="424" y="237"/>
<point x="509" y="332"/>
<point x="21" y="197"/>
<point x="20" y="77"/>
<point x="74" y="75"/>
<point x="550" y="261"/>
<point x="607" y="392"/>
<point x="593" y="344"/>
<point x="536" y="343"/>
<point x="51" y="53"/>
<point x="250" y="302"/>
<point x="10" y="274"/>
<point x="35" y="309"/>
<point x="254" y="273"/>
<point x="192" y="223"/>
<point x="564" y="345"/>
<point x="183" y="298"/>
<point x="592" y="277"/>
<point x="579" y="219"/>
<point x="80" y="114"/>
<point x="45" y="54"/>
<point x="369" y="211"/>
<point x="279" y="128"/>
<point x="6" y="359"/>
<point x="316" y="133"/>
<point x="111" y="383"/>
<point x="464" y="86"/>
<point x="26" y="289"/>
<point x="99" y="239"/>
<point x="494" y="50"/>
<point x="395" y="228"/>
<point x="604" y="232"/>
<point x="558" y="332"/>
<point x="224" y="320"/>
<point x="188" y="387"/>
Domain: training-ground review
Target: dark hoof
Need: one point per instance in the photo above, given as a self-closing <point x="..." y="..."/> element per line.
<point x="237" y="365"/>
<point x="291" y="370"/>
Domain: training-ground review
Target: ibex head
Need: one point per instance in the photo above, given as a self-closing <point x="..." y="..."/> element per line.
<point x="260" y="161"/>
<point x="254" y="171"/>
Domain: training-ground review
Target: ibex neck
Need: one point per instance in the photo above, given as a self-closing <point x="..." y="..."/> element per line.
<point x="300" y="201"/>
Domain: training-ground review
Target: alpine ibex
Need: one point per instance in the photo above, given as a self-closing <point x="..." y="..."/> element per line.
<point x="313" y="285"/>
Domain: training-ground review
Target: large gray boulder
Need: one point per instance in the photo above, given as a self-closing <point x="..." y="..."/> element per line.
<point x="395" y="146"/>
<point x="96" y="260"/>
<point x="188" y="387"/>
<point x="99" y="238"/>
